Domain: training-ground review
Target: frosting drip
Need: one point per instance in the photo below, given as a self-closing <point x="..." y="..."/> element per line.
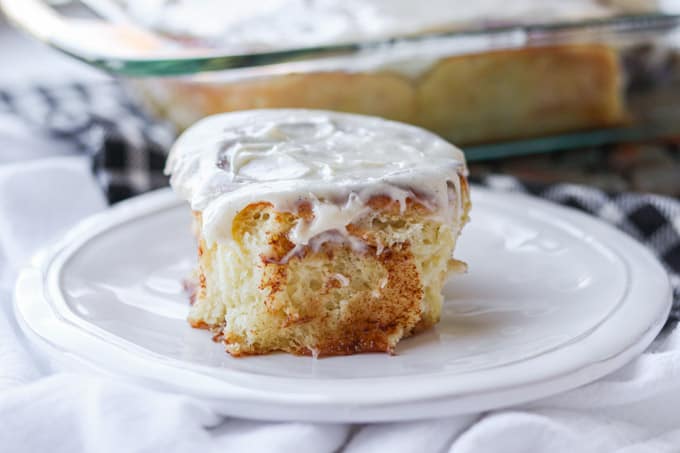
<point x="334" y="161"/>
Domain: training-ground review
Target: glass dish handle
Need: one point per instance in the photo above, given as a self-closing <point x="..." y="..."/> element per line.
<point x="84" y="38"/>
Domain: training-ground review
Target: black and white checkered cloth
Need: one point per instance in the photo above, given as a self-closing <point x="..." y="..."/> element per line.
<point x="128" y="150"/>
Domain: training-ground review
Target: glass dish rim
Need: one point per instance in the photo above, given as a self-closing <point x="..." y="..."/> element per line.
<point x="215" y="60"/>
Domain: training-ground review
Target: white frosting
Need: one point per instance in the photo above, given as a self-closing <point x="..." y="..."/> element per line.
<point x="267" y="25"/>
<point x="259" y="25"/>
<point x="334" y="161"/>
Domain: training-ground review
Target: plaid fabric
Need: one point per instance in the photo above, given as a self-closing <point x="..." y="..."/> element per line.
<point x="128" y="148"/>
<point x="128" y="151"/>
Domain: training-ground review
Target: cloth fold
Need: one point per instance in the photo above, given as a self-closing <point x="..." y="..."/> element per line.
<point x="631" y="410"/>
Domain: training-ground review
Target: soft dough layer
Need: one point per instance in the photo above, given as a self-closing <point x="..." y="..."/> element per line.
<point x="334" y="300"/>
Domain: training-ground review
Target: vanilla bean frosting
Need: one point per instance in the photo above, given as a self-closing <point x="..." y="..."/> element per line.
<point x="334" y="161"/>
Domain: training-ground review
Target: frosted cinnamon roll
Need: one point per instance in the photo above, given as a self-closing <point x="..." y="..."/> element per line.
<point x="319" y="233"/>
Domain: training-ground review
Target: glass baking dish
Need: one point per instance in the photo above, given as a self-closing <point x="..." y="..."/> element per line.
<point x="499" y="90"/>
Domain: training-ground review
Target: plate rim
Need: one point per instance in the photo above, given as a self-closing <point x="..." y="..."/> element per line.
<point x="375" y="406"/>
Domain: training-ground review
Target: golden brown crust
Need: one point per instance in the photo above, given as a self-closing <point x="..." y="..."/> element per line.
<point x="511" y="94"/>
<point x="380" y="94"/>
<point x="473" y="98"/>
<point x="199" y="325"/>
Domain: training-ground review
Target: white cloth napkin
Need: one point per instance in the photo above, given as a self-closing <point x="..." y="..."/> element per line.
<point x="637" y="409"/>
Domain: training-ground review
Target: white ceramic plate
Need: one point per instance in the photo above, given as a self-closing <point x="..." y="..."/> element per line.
<point x="553" y="299"/>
